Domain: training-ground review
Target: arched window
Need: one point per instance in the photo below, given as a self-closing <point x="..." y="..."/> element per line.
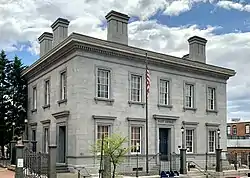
<point x="247" y="129"/>
<point x="234" y="130"/>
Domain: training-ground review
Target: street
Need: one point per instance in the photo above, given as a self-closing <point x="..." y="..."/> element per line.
<point x="4" y="173"/>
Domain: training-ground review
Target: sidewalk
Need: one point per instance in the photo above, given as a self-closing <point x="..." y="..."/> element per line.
<point x="4" y="173"/>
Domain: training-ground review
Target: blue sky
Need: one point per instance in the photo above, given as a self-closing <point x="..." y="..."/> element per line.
<point x="158" y="25"/>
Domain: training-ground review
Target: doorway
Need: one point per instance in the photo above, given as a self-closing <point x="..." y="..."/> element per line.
<point x="62" y="144"/>
<point x="164" y="143"/>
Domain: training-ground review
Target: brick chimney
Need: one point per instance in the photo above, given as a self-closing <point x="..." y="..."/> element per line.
<point x="45" y="41"/>
<point x="60" y="30"/>
<point x="117" y="25"/>
<point x="197" y="49"/>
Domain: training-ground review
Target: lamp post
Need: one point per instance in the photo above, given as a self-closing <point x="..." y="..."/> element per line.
<point x="137" y="158"/>
<point x="218" y="153"/>
<point x="183" y="169"/>
<point x="13" y="130"/>
<point x="26" y="129"/>
<point x="218" y="133"/>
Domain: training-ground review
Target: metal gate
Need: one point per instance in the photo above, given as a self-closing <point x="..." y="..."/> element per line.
<point x="170" y="163"/>
<point x="36" y="165"/>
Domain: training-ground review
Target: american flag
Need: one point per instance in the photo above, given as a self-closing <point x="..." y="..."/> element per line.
<point x="147" y="76"/>
<point x="148" y="81"/>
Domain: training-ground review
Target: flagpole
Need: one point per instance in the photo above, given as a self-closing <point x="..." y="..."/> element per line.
<point x="146" y="114"/>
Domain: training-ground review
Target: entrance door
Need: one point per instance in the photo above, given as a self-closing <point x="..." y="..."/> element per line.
<point x="62" y="144"/>
<point x="164" y="143"/>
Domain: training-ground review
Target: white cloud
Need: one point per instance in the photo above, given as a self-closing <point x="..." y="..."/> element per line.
<point x="233" y="5"/>
<point x="24" y="21"/>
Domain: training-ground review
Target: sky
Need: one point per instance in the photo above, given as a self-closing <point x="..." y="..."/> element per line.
<point x="158" y="25"/>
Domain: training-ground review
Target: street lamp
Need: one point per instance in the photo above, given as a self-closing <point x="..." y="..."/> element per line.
<point x="26" y="129"/>
<point x="183" y="169"/>
<point x="218" y="133"/>
<point x="182" y="136"/>
<point x="13" y="129"/>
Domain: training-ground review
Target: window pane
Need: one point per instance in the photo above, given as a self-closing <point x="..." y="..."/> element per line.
<point x="136" y="88"/>
<point x="103" y="77"/>
<point x="189" y="140"/>
<point x="136" y="139"/>
<point x="211" y="141"/>
<point x="164" y="92"/>
<point x="189" y="95"/>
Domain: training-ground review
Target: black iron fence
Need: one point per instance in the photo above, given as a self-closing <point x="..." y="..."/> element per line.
<point x="35" y="164"/>
<point x="170" y="162"/>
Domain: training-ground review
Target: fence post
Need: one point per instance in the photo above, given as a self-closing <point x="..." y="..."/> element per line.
<point x="12" y="155"/>
<point x="19" y="161"/>
<point x="206" y="162"/>
<point x="218" y="160"/>
<point x="52" y="161"/>
<point x="183" y="161"/>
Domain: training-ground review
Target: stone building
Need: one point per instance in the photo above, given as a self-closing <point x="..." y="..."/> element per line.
<point x="83" y="87"/>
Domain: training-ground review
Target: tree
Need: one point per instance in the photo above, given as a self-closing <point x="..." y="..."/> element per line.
<point x="13" y="98"/>
<point x="4" y="99"/>
<point x="112" y="147"/>
<point x="18" y="94"/>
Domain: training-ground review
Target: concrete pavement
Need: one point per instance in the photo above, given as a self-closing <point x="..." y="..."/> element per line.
<point x="4" y="173"/>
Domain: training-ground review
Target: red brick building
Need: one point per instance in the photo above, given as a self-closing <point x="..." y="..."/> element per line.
<point x="238" y="140"/>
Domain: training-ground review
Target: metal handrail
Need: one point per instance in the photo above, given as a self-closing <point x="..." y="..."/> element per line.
<point x="153" y="157"/>
<point x="200" y="169"/>
<point x="79" y="169"/>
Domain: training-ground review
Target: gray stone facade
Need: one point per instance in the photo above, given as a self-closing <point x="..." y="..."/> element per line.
<point x="78" y="115"/>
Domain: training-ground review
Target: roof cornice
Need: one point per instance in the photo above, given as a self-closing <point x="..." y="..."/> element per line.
<point x="78" y="41"/>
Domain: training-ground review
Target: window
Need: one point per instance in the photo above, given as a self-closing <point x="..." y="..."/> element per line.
<point x="190" y="140"/>
<point x="33" y="135"/>
<point x="33" y="138"/>
<point x="102" y="130"/>
<point x="234" y="130"/>
<point x="247" y="129"/>
<point x="103" y="83"/>
<point x="47" y="93"/>
<point x="228" y="130"/>
<point x="211" y="141"/>
<point x="164" y="92"/>
<point x="211" y="98"/>
<point x="63" y="86"/>
<point x="46" y="140"/>
<point x="136" y="88"/>
<point x="189" y="96"/>
<point x="136" y="139"/>
<point x="34" y="98"/>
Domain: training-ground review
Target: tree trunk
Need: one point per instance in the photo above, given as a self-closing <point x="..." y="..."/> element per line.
<point x="2" y="150"/>
<point x="114" y="169"/>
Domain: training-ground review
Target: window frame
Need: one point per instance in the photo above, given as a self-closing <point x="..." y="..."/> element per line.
<point x="214" y="142"/>
<point x="234" y="127"/>
<point x="247" y="125"/>
<point x="109" y="82"/>
<point x="192" y="131"/>
<point x="193" y="98"/>
<point x="229" y="128"/>
<point x="140" y="90"/>
<point x="140" y="141"/>
<point x="63" y="86"/>
<point x="168" y="81"/>
<point x="34" y="97"/>
<point x="47" y="92"/>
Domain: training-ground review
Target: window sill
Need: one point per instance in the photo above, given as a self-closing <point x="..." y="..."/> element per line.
<point x="104" y="100"/>
<point x="165" y="106"/>
<point x="62" y="101"/>
<point x="46" y="106"/>
<point x="191" y="109"/>
<point x="211" y="111"/>
<point x="33" y="110"/>
<point x="136" y="103"/>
